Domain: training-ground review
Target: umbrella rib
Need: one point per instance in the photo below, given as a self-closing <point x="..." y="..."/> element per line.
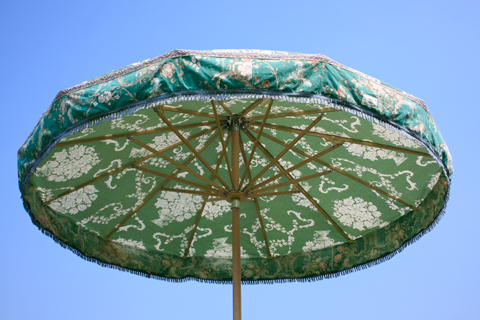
<point x="176" y="163"/>
<point x="174" y="178"/>
<point x="271" y="194"/>
<point x="287" y="148"/>
<point x="161" y="186"/>
<point x="203" y="206"/>
<point x="195" y="113"/>
<point x="194" y="229"/>
<point x="224" y="147"/>
<point x="205" y="163"/>
<point x="250" y="108"/>
<point x="128" y="165"/>
<point x="137" y="133"/>
<point x="257" y="206"/>
<point x="133" y="212"/>
<point x="299" y="187"/>
<point x="365" y="184"/>
<point x="225" y="107"/>
<point x="216" y="199"/>
<point x="329" y="137"/>
<point x="203" y="193"/>
<point x="304" y="162"/>
<point x="293" y="114"/>
<point x="227" y="199"/>
<point x="295" y="181"/>
<point x="207" y="144"/>
<point x="341" y="172"/>
<point x="250" y="158"/>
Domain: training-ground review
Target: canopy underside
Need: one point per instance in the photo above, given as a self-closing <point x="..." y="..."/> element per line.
<point x="322" y="185"/>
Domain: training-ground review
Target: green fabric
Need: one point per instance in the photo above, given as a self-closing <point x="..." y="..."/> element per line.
<point x="370" y="248"/>
<point x="302" y="242"/>
<point x="199" y="70"/>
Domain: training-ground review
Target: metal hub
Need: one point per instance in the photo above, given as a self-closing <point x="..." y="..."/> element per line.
<point x="236" y="194"/>
<point x="235" y="123"/>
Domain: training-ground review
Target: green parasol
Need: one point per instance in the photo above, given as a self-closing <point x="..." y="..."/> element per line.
<point x="235" y="165"/>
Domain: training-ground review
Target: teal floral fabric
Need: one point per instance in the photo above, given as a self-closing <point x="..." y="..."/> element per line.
<point x="183" y="71"/>
<point x="90" y="180"/>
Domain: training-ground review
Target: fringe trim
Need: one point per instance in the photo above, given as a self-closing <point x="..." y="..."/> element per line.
<point x="229" y="95"/>
<point x="262" y="281"/>
<point x="297" y="97"/>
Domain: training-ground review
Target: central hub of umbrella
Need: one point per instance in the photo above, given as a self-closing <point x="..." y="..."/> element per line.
<point x="241" y="196"/>
<point x="235" y="122"/>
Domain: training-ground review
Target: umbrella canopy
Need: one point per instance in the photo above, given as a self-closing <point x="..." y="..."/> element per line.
<point x="327" y="169"/>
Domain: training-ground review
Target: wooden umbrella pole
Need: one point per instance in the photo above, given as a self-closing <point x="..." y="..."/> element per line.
<point x="237" y="267"/>
<point x="237" y="276"/>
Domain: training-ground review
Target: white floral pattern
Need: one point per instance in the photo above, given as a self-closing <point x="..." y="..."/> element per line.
<point x="131" y="243"/>
<point x="216" y="209"/>
<point x="107" y="97"/>
<point x="76" y="201"/>
<point x="320" y="241"/>
<point x="159" y="142"/>
<point x="357" y="213"/>
<point x="69" y="164"/>
<point x="434" y="180"/>
<point x="393" y="137"/>
<point x="222" y="249"/>
<point x="372" y="153"/>
<point x="176" y="206"/>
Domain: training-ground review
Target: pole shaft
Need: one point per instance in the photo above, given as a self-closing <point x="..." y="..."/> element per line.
<point x="235" y="159"/>
<point x="236" y="264"/>
<point x="237" y="276"/>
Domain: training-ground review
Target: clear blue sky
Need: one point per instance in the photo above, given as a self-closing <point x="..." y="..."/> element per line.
<point x="430" y="49"/>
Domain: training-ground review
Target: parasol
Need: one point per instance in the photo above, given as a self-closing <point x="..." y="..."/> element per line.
<point x="235" y="166"/>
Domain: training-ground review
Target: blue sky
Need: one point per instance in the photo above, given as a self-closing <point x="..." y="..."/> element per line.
<point x="427" y="48"/>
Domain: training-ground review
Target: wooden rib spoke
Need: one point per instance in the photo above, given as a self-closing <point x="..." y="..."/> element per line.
<point x="166" y="182"/>
<point x="128" y="165"/>
<point x="174" y="178"/>
<point x="185" y="111"/>
<point x="364" y="183"/>
<point x="137" y="133"/>
<point x="290" y="146"/>
<point x="144" y="202"/>
<point x="247" y="165"/>
<point x="224" y="147"/>
<point x="199" y="215"/>
<point x="203" y="193"/>
<point x="190" y="160"/>
<point x="255" y="201"/>
<point x="199" y="157"/>
<point x="216" y="199"/>
<point x="225" y="107"/>
<point x="293" y="114"/>
<point x="251" y="107"/>
<point x="295" y="181"/>
<point x="220" y="157"/>
<point x="323" y="163"/>
<point x="304" y="162"/>
<point x="176" y="163"/>
<point x="101" y="177"/>
<point x="271" y="194"/>
<point x="302" y="190"/>
<point x="329" y="137"/>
